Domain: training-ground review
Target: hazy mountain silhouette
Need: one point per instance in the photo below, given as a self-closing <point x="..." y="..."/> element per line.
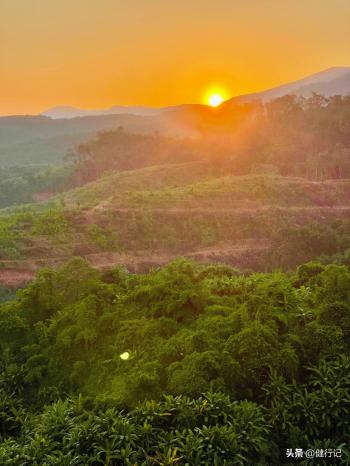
<point x="332" y="81"/>
<point x="72" y="112"/>
<point x="328" y="82"/>
<point x="46" y="138"/>
<point x="38" y="139"/>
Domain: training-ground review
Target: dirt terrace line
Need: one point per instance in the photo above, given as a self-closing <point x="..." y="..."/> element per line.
<point x="18" y="272"/>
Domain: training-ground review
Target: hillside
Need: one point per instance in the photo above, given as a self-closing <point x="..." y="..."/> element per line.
<point x="147" y="217"/>
<point x="117" y="365"/>
<point x="330" y="82"/>
<point x="263" y="187"/>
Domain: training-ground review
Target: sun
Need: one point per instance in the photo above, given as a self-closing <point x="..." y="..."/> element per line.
<point x="214" y="100"/>
<point x="215" y="95"/>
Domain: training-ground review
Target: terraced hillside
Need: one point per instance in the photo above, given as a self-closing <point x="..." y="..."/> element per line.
<point x="146" y="217"/>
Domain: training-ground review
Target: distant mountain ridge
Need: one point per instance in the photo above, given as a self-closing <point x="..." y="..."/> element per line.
<point x="72" y="112"/>
<point x="333" y="81"/>
<point x="46" y="138"/>
<point x="39" y="139"/>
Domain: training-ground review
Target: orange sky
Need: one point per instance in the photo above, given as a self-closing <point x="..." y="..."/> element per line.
<point x="96" y="53"/>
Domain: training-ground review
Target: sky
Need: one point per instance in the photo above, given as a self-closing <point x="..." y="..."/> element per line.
<point x="99" y="53"/>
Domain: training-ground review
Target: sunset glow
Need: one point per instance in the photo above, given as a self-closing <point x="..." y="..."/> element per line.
<point x="150" y="53"/>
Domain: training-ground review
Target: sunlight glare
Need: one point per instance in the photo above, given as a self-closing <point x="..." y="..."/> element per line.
<point x="125" y="356"/>
<point x="215" y="100"/>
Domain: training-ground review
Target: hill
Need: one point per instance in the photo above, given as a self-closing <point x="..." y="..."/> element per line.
<point x="330" y="82"/>
<point x="40" y="140"/>
<point x="144" y="218"/>
<point x="268" y="187"/>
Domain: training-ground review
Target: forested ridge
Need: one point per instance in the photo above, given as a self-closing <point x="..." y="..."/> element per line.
<point x="189" y="364"/>
<point x="291" y="136"/>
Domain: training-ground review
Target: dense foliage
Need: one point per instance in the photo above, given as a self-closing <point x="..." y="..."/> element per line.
<point x="20" y="185"/>
<point x="189" y="364"/>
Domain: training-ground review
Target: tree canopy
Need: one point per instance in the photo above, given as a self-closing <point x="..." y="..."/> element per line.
<point x="217" y="367"/>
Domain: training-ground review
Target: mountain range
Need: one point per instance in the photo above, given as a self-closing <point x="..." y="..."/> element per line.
<point x="72" y="112"/>
<point x="332" y="81"/>
<point x="46" y="138"/>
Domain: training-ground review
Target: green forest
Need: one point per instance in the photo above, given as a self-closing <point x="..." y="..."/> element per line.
<point x="189" y="364"/>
